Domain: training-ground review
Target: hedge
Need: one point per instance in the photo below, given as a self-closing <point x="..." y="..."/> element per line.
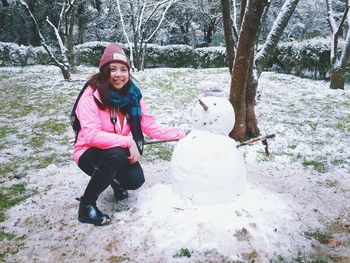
<point x="174" y="56"/>
<point x="302" y="58"/>
<point x="311" y="57"/>
<point x="13" y="55"/>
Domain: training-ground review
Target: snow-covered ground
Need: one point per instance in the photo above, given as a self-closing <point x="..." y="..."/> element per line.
<point x="296" y="207"/>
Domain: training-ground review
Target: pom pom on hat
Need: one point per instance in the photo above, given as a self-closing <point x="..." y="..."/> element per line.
<point x="114" y="53"/>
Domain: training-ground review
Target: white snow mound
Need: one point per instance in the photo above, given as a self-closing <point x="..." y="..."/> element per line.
<point x="207" y="168"/>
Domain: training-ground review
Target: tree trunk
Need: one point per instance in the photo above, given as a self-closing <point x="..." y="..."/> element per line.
<point x="252" y="129"/>
<point x="65" y="73"/>
<point x="210" y="31"/>
<point x="242" y="67"/>
<point x="337" y="78"/>
<point x="138" y="54"/>
<point x="226" y="18"/>
<point x="338" y="64"/>
<point x="69" y="37"/>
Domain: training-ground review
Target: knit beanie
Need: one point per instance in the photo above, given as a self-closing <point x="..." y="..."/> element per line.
<point x="114" y="53"/>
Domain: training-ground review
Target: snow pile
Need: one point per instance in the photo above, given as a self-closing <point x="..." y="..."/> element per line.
<point x="257" y="218"/>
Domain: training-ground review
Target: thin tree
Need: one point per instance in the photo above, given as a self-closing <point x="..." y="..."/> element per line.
<point x="338" y="60"/>
<point x="62" y="63"/>
<point x="245" y="77"/>
<point x="144" y="19"/>
<point x="229" y="41"/>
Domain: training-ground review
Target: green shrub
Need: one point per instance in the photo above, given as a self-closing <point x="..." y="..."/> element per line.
<point x="308" y="57"/>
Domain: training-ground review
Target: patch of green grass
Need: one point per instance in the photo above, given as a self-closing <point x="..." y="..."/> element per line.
<point x="37" y="141"/>
<point x="8" y="168"/>
<point x="52" y="126"/>
<point x="320" y="259"/>
<point x="345" y="126"/>
<point x="317" y="165"/>
<point x="119" y="259"/>
<point x="20" y="109"/>
<point x="175" y="75"/>
<point x="338" y="162"/>
<point x="184" y="252"/>
<point x="46" y="161"/>
<point x="4" y="76"/>
<point x="292" y="146"/>
<point x="163" y="152"/>
<point x="41" y="130"/>
<point x="272" y="155"/>
<point x="164" y="85"/>
<point x="6" y="236"/>
<point x="4" y="131"/>
<point x="322" y="237"/>
<point x="11" y="196"/>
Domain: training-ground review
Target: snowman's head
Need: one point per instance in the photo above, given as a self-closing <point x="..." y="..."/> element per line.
<point x="213" y="114"/>
<point x="211" y="88"/>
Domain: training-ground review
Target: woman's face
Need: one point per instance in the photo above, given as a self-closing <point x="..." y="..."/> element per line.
<point x="119" y="75"/>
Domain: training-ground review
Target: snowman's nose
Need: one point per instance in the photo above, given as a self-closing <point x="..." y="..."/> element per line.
<point x="205" y="107"/>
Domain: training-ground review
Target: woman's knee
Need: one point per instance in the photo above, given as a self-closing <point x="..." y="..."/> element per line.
<point x="133" y="178"/>
<point x="136" y="182"/>
<point x="115" y="157"/>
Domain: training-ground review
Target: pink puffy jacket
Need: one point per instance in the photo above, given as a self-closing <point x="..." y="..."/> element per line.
<point x="97" y="129"/>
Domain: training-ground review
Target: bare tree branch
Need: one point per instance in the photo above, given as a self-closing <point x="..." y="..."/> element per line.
<point x="161" y="20"/>
<point x="126" y="35"/>
<point x="63" y="66"/>
<point x="276" y="31"/>
<point x="330" y="17"/>
<point x="60" y="43"/>
<point x="42" y="39"/>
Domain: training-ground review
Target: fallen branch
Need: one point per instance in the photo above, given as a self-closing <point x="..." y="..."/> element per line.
<point x="254" y="140"/>
<point x="156" y="141"/>
<point x="263" y="139"/>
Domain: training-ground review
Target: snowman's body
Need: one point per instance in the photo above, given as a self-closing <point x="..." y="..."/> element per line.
<point x="207" y="168"/>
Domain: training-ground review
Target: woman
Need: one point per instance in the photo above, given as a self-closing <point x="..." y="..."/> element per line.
<point x="113" y="118"/>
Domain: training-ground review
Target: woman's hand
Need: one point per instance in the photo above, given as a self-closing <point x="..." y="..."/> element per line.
<point x="135" y="155"/>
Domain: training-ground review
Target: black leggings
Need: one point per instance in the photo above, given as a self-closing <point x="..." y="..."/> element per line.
<point x="102" y="165"/>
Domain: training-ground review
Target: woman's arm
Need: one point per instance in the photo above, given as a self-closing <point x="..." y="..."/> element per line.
<point x="153" y="129"/>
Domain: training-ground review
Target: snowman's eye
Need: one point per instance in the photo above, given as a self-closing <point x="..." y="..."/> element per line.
<point x="214" y="103"/>
<point x="204" y="123"/>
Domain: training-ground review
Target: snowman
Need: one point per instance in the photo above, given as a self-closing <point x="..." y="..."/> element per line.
<point x="206" y="166"/>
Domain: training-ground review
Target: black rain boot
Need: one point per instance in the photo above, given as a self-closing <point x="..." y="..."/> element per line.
<point x="89" y="213"/>
<point x="119" y="193"/>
